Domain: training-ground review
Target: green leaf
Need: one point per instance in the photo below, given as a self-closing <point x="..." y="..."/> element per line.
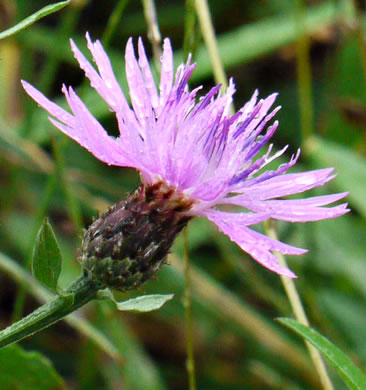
<point x="140" y="304"/>
<point x="21" y="370"/>
<point x="350" y="373"/>
<point x="145" y="303"/>
<point x="47" y="259"/>
<point x="49" y="9"/>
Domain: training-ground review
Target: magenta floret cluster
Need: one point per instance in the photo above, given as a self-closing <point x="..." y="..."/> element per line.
<point x="196" y="146"/>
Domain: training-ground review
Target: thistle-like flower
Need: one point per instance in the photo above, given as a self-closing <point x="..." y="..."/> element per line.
<point x="193" y="156"/>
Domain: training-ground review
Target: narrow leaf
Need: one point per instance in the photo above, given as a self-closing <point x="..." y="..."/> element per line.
<point x="27" y="370"/>
<point x="144" y="303"/>
<point x="140" y="304"/>
<point x="47" y="259"/>
<point x="49" y="9"/>
<point x="350" y="373"/>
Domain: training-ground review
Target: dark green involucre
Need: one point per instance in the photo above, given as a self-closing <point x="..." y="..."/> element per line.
<point x="128" y="244"/>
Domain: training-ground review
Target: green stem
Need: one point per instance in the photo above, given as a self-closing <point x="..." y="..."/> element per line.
<point x="78" y="294"/>
<point x="23" y="277"/>
<point x="188" y="315"/>
<point x="153" y="31"/>
<point x="208" y="33"/>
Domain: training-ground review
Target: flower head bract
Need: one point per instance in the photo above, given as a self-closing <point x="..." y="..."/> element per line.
<point x="196" y="147"/>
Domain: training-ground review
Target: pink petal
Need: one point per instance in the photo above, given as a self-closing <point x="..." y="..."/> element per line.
<point x="49" y="106"/>
<point x="288" y="184"/>
<point x="322" y="200"/>
<point x="167" y="72"/>
<point x="148" y="77"/>
<point x="107" y="86"/>
<point x="265" y="105"/>
<point x="241" y="219"/>
<point x="89" y="133"/>
<point x="301" y="213"/>
<point x="294" y="210"/>
<point x="139" y="96"/>
<point x="257" y="245"/>
<point x="249" y="106"/>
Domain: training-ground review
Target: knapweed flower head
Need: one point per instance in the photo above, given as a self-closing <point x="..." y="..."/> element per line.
<point x="193" y="156"/>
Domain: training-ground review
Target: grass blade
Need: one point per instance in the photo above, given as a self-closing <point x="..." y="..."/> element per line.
<point x="350" y="373"/>
<point x="49" y="9"/>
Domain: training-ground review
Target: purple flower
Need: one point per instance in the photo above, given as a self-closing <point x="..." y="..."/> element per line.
<point x="196" y="147"/>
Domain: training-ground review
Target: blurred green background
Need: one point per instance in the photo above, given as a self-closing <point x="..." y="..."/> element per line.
<point x="264" y="44"/>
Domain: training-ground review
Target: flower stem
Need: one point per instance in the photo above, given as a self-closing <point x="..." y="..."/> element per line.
<point x="208" y="32"/>
<point x="188" y="316"/>
<point x="78" y="294"/>
<point x="299" y="312"/>
<point x="153" y="31"/>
